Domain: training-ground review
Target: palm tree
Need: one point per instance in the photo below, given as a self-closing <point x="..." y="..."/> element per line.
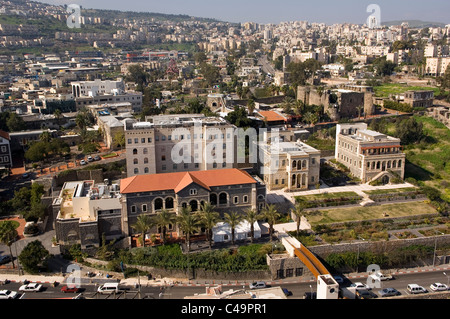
<point x="143" y="225"/>
<point x="208" y="218"/>
<point x="188" y="223"/>
<point x="233" y="219"/>
<point x="271" y="214"/>
<point x="298" y="211"/>
<point x="252" y="216"/>
<point x="8" y="234"/>
<point x="163" y="220"/>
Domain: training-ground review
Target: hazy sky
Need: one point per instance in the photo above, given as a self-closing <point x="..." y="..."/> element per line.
<point x="275" y="11"/>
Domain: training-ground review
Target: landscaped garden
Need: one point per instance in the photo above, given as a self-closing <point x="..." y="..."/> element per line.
<point x="329" y="199"/>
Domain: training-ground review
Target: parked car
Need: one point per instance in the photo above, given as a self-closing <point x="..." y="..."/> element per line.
<point x="5" y="259"/>
<point x="382" y="277"/>
<point x="360" y="285"/>
<point x="437" y="286"/>
<point x="8" y="294"/>
<point x="70" y="289"/>
<point x="416" y="289"/>
<point x="258" y="285"/>
<point x="287" y="292"/>
<point x="365" y="294"/>
<point x="389" y="292"/>
<point x="97" y="158"/>
<point x="83" y="162"/>
<point x="31" y="287"/>
<point x="90" y="159"/>
<point x="26" y="175"/>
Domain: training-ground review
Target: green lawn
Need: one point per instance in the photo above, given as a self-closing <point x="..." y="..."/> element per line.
<point x="429" y="162"/>
<point x="391" y="191"/>
<point x="367" y="213"/>
<point x="396" y="88"/>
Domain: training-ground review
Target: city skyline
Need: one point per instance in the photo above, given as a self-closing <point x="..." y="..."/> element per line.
<point x="329" y="12"/>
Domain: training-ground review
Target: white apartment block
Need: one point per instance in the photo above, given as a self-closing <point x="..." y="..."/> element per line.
<point x="437" y="66"/>
<point x="179" y="143"/>
<point x="97" y="87"/>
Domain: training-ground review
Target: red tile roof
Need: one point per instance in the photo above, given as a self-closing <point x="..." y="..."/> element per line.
<point x="179" y="181"/>
<point x="4" y="134"/>
<point x="272" y="116"/>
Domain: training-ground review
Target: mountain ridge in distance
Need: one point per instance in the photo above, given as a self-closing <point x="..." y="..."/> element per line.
<point x="415" y="23"/>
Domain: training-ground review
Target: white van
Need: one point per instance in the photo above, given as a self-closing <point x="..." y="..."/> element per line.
<point x="108" y="288"/>
<point x="416" y="289"/>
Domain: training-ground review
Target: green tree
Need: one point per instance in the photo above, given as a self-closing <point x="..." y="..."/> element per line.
<point x="32" y="256"/>
<point x="137" y="74"/>
<point x="410" y="131"/>
<point x="15" y="123"/>
<point x="239" y="117"/>
<point x="233" y="219"/>
<point x="143" y="225"/>
<point x="162" y="220"/>
<point x="188" y="223"/>
<point x="252" y="216"/>
<point x="8" y="235"/>
<point x="271" y="214"/>
<point x="208" y="218"/>
<point x="298" y="212"/>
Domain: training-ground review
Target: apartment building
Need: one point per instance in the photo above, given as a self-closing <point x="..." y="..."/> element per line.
<point x="226" y="189"/>
<point x="437" y="66"/>
<point x="178" y="143"/>
<point x="370" y="156"/>
<point x="5" y="150"/>
<point x="292" y="166"/>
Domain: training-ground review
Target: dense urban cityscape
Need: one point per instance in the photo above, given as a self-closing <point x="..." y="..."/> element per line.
<point x="161" y="156"/>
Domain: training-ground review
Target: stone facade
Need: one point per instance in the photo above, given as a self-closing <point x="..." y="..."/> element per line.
<point x="204" y="143"/>
<point x="291" y="166"/>
<point x="284" y="266"/>
<point x="369" y="155"/>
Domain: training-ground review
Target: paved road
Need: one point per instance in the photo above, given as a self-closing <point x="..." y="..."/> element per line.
<point x="400" y="282"/>
<point x="266" y="66"/>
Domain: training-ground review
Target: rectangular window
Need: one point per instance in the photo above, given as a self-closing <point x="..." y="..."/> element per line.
<point x="149" y="139"/>
<point x="144" y="208"/>
<point x="136" y="141"/>
<point x="143" y="140"/>
<point x="289" y="272"/>
<point x="129" y="141"/>
<point x="133" y="209"/>
<point x="236" y="200"/>
<point x="298" y="272"/>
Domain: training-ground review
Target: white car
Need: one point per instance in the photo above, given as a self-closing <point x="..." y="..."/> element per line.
<point x="8" y="294"/>
<point x="258" y="285"/>
<point x="360" y="285"/>
<point x="437" y="286"/>
<point x="31" y="287"/>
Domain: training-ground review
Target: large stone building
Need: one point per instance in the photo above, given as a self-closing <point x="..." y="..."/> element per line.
<point x="226" y="189"/>
<point x="370" y="156"/>
<point x="178" y="143"/>
<point x="292" y="166"/>
<point x="345" y="102"/>
<point x="424" y="98"/>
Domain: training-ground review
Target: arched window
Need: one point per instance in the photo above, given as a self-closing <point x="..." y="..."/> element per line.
<point x="304" y="164"/>
<point x="223" y="199"/>
<point x="169" y="203"/>
<point x="146" y="170"/>
<point x="136" y="171"/>
<point x="394" y="164"/>
<point x="135" y="151"/>
<point x="399" y="163"/>
<point x="135" y="161"/>
<point x="146" y="160"/>
<point x="294" y="164"/>
<point x="213" y="199"/>
<point x="194" y="205"/>
<point x="293" y="180"/>
<point x="158" y="204"/>
<point x="145" y="151"/>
